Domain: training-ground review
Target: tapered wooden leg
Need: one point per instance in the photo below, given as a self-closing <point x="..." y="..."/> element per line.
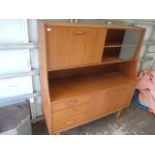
<point x="118" y="114"/>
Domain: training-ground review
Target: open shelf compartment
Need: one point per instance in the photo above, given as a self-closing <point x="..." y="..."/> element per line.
<point x="70" y="83"/>
<point x="120" y="45"/>
<point x="114" y="37"/>
<point x="118" y="54"/>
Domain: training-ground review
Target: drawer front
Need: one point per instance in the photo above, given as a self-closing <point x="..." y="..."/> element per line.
<point x="70" y="113"/>
<point x="70" y="103"/>
<point x="69" y="123"/>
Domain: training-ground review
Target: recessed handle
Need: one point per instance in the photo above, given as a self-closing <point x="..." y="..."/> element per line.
<point x="78" y="32"/>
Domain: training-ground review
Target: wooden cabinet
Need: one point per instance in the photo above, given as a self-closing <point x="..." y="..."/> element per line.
<point x="87" y="71"/>
<point x="69" y="46"/>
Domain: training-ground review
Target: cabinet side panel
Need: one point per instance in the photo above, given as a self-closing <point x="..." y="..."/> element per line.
<point x="44" y="76"/>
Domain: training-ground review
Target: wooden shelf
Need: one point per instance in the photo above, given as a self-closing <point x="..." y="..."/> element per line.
<point x="106" y="60"/>
<point x="68" y="87"/>
<point x="111" y="45"/>
<point x="113" y="59"/>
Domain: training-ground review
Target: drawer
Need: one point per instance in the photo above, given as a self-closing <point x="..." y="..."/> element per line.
<point x="60" y="105"/>
<point x="71" y="112"/>
<point x="69" y="123"/>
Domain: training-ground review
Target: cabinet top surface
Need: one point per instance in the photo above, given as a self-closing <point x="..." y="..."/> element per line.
<point x="89" y="25"/>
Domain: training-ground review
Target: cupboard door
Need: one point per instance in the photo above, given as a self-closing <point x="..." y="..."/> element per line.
<point x="102" y="104"/>
<point x="70" y="46"/>
<point x="107" y="101"/>
<point x="122" y="95"/>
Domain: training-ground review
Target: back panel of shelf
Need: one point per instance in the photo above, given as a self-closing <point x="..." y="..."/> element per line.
<point x="114" y="37"/>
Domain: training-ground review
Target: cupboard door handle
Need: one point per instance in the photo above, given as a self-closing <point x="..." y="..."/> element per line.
<point x="72" y="102"/>
<point x="80" y="32"/>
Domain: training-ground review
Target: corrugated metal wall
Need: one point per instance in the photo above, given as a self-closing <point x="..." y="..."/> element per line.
<point x="19" y="65"/>
<point x="14" y="60"/>
<point x="17" y="61"/>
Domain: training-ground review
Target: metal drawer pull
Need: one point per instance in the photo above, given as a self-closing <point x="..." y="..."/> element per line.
<point x="72" y="102"/>
<point x="80" y="32"/>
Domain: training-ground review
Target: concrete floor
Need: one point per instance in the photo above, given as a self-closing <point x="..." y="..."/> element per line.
<point x="133" y="121"/>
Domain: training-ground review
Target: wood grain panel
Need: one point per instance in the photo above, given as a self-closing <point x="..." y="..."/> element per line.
<point x="114" y="98"/>
<point x="70" y="112"/>
<point x="70" y="102"/>
<point x="69" y="123"/>
<point x="65" y="88"/>
<point x="74" y="46"/>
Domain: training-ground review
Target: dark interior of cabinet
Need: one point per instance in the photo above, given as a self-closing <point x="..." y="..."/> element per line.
<point x="114" y="37"/>
<point x="111" y="53"/>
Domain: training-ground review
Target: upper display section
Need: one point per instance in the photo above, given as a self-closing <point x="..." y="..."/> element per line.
<point x="71" y="45"/>
<point x="121" y="44"/>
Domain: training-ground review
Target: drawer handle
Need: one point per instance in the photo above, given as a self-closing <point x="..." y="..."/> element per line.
<point x="72" y="102"/>
<point x="80" y="32"/>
